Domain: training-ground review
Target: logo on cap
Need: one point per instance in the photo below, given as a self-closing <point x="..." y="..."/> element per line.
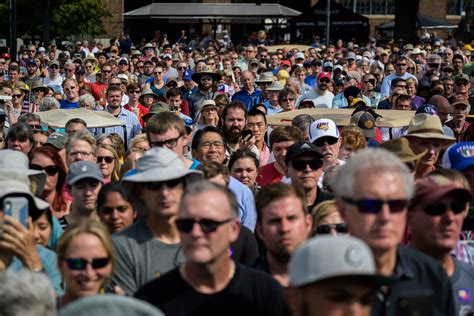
<point x="464" y="295"/>
<point x="323" y="125"/>
<point x="466" y="151"/>
<point x="84" y="168"/>
<point x="305" y="146"/>
<point x="354" y="256"/>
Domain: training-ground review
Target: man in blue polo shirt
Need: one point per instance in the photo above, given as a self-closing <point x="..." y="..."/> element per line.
<point x="249" y="94"/>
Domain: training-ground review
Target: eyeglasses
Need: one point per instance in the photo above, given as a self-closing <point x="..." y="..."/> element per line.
<point x="135" y="91"/>
<point x="35" y="127"/>
<point x="50" y="170"/>
<point x="182" y="68"/>
<point x="300" y="165"/>
<point x="325" y="140"/>
<point x="400" y="86"/>
<point x="69" y="88"/>
<point x="216" y="143"/>
<point x="108" y="160"/>
<point x="170" y="143"/>
<point x="434" y="65"/>
<point x="32" y="51"/>
<point x="82" y="153"/>
<point x="374" y="206"/>
<point x="106" y="71"/>
<point x="461" y="83"/>
<point x="54" y="67"/>
<point x="17" y="96"/>
<point x="185" y="225"/>
<point x="288" y="99"/>
<point x="158" y="72"/>
<point x="324" y="80"/>
<point x="115" y="84"/>
<point x="206" y="79"/>
<point x="447" y="70"/>
<point x="401" y="64"/>
<point x="81" y="263"/>
<point x="371" y="81"/>
<point x="410" y="68"/>
<point x="325" y="229"/>
<point x="440" y="208"/>
<point x="122" y="64"/>
<point x="156" y="186"/>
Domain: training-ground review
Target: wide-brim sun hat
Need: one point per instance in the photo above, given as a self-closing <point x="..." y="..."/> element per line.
<point x="423" y="125"/>
<point x="147" y="92"/>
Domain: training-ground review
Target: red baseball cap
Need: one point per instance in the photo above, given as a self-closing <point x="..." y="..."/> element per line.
<point x="6" y="56"/>
<point x="324" y="75"/>
<point x="285" y="62"/>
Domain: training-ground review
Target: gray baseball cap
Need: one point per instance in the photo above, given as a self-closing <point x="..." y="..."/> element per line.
<point x="326" y="257"/>
<point x="83" y="169"/>
<point x="57" y="140"/>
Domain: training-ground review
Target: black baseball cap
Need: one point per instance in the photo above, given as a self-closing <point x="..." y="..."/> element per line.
<point x="299" y="148"/>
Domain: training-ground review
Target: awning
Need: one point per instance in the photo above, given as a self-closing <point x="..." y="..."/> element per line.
<point x="59" y="118"/>
<point x="212" y="11"/>
<point x="342" y="117"/>
<point x="422" y="22"/>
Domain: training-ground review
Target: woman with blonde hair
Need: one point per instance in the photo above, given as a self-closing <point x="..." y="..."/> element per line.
<point x="139" y="141"/>
<point x="108" y="162"/>
<point x="208" y="114"/>
<point x="327" y="220"/>
<point x="86" y="260"/>
<point x="353" y="139"/>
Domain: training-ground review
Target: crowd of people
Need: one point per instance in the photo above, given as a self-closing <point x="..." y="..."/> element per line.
<point x="197" y="206"/>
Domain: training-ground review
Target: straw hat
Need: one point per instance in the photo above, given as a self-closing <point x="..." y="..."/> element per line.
<point x="147" y="92"/>
<point x="428" y="126"/>
<point x="401" y="148"/>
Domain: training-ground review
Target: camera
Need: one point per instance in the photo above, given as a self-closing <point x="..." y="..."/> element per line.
<point x="4" y="98"/>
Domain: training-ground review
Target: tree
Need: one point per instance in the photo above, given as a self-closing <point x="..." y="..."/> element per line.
<point x="80" y="18"/>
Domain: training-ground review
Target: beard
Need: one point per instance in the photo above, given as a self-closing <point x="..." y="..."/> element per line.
<point x="323" y="86"/>
<point x="232" y="135"/>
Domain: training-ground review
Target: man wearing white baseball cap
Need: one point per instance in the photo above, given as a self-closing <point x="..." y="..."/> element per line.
<point x="325" y="135"/>
<point x="333" y="275"/>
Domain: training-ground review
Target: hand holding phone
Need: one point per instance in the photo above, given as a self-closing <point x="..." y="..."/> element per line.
<point x="17" y="207"/>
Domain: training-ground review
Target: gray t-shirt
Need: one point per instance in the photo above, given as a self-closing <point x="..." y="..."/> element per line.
<point x="140" y="257"/>
<point x="463" y="287"/>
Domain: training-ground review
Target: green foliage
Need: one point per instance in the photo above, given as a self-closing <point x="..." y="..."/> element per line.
<point x="79" y="17"/>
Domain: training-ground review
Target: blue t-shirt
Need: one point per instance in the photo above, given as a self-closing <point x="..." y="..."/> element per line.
<point x="66" y="105"/>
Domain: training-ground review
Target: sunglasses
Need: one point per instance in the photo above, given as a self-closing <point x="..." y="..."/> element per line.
<point x="374" y="206"/>
<point x="185" y="225"/>
<point x="16" y="96"/>
<point x="300" y="165"/>
<point x="410" y="68"/>
<point x="324" y="80"/>
<point x="288" y="99"/>
<point x="182" y="68"/>
<point x="440" y="208"/>
<point x="401" y="64"/>
<point x="371" y="81"/>
<point x="106" y="71"/>
<point x="158" y="73"/>
<point x="156" y="186"/>
<point x="325" y="229"/>
<point x="108" y="159"/>
<point x="434" y="65"/>
<point x="135" y="91"/>
<point x="461" y="83"/>
<point x="323" y="140"/>
<point x="81" y="263"/>
<point x="50" y="170"/>
<point x="170" y="143"/>
<point x="54" y="67"/>
<point x="122" y="64"/>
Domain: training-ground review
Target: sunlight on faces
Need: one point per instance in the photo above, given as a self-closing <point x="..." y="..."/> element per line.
<point x="201" y="248"/>
<point x="211" y="152"/>
<point x="433" y="145"/>
<point x="382" y="231"/>
<point x="245" y="171"/>
<point x="284" y="226"/>
<point x="44" y="161"/>
<point x="89" y="281"/>
<point x="85" y="192"/>
<point x="42" y="230"/>
<point x="80" y="150"/>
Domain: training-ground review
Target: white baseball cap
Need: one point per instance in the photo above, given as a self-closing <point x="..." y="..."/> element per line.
<point x="321" y="128"/>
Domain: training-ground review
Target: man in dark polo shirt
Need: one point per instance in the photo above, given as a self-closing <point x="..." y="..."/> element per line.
<point x="210" y="282"/>
<point x="372" y="193"/>
<point x="304" y="166"/>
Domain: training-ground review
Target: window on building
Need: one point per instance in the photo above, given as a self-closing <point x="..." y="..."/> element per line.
<point x="371" y="7"/>
<point x="456" y="7"/>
